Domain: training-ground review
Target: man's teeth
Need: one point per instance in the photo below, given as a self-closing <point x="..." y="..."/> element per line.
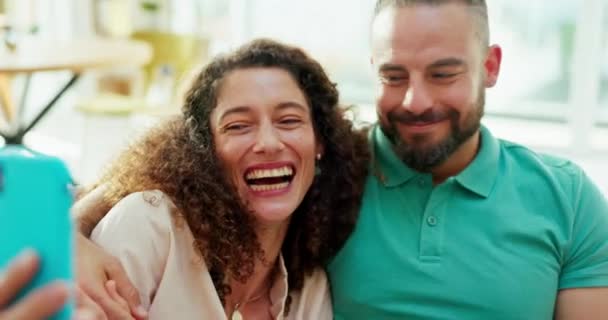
<point x="269" y="187"/>
<point x="270" y="173"/>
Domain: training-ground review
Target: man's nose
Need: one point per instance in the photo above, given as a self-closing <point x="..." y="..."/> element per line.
<point x="417" y="98"/>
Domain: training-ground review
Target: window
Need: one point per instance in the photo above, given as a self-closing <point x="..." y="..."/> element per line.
<point x="550" y="63"/>
<point x="604" y="73"/>
<point x="541" y="46"/>
<point x="334" y="32"/>
<point x="538" y="51"/>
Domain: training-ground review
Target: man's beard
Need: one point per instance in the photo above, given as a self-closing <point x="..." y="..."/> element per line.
<point x="425" y="158"/>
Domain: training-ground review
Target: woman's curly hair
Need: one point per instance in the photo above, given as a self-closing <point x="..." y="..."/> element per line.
<point x="178" y="157"/>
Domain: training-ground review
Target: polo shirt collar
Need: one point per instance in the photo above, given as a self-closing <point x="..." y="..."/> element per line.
<point x="481" y="174"/>
<point x="479" y="177"/>
<point x="386" y="166"/>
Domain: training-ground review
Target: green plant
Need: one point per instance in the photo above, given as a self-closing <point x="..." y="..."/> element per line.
<point x="150" y="6"/>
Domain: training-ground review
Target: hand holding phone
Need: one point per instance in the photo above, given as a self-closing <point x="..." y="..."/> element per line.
<point x="34" y="213"/>
<point x="37" y="305"/>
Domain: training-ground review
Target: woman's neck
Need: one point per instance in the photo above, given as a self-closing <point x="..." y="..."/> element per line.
<point x="271" y="239"/>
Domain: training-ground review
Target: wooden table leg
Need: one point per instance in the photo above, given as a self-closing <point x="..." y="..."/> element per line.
<point x="6" y="99"/>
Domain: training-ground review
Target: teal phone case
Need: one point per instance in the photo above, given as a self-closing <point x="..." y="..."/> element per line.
<point x="35" y="202"/>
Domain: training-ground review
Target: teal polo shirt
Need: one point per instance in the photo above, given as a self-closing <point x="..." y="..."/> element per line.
<point x="497" y="241"/>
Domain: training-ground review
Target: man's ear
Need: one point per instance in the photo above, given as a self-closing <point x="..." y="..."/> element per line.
<point x="492" y="65"/>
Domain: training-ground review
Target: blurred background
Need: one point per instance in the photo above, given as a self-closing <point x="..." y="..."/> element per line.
<point x="552" y="94"/>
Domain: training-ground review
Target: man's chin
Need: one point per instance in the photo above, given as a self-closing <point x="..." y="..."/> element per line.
<point x="425" y="155"/>
<point x="423" y="141"/>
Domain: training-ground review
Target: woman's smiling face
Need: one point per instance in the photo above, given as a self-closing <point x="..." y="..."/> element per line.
<point x="265" y="138"/>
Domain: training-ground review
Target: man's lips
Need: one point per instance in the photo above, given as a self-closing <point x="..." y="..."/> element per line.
<point x="420" y="126"/>
<point x="421" y="123"/>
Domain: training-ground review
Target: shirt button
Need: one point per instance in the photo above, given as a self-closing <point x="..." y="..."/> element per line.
<point x="432" y="221"/>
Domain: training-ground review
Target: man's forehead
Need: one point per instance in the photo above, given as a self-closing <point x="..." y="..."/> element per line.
<point x="451" y="20"/>
<point x="431" y="32"/>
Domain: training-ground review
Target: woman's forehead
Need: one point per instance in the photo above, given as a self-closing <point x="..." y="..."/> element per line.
<point x="259" y="83"/>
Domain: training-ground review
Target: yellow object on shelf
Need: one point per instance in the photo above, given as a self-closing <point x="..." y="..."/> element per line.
<point x="111" y="104"/>
<point x="180" y="52"/>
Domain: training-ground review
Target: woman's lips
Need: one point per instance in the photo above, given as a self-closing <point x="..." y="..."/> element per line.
<point x="269" y="179"/>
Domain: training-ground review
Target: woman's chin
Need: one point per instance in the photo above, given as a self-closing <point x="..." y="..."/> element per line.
<point x="273" y="213"/>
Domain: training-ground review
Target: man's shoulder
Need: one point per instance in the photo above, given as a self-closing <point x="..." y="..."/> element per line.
<point x="532" y="158"/>
<point x="531" y="166"/>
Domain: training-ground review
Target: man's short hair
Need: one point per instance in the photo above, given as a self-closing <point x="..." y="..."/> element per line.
<point x="477" y="7"/>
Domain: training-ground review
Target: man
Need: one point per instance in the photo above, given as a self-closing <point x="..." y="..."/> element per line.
<point x="455" y="223"/>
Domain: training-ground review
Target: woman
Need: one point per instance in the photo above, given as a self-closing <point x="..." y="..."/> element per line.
<point x="232" y="209"/>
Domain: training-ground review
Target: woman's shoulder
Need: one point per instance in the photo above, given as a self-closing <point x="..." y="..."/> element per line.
<point x="317" y="280"/>
<point x="149" y="207"/>
<point x="148" y="199"/>
<point x="152" y="200"/>
<point x="313" y="301"/>
<point x="314" y="287"/>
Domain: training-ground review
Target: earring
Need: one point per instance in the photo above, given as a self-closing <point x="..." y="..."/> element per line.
<point x="317" y="168"/>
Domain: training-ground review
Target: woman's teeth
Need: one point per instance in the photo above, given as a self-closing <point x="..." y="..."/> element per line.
<point x="268" y="187"/>
<point x="262" y="180"/>
<point x="269" y="173"/>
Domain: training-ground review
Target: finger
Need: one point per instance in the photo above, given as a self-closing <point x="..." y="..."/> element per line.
<point x="17" y="275"/>
<point x="86" y="308"/>
<point x="125" y="288"/>
<point x="87" y="315"/>
<point x="112" y="291"/>
<point x="92" y="278"/>
<point x="41" y="303"/>
<point x="100" y="296"/>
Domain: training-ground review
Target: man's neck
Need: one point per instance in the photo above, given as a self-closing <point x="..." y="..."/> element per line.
<point x="458" y="161"/>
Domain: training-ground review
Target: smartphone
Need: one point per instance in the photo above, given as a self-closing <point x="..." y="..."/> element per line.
<point x="35" y="201"/>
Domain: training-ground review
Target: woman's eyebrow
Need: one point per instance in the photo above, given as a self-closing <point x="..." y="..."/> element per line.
<point x="235" y="110"/>
<point x="291" y="105"/>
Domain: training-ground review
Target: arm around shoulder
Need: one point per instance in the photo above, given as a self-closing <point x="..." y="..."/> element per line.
<point x="89" y="209"/>
<point x="138" y="232"/>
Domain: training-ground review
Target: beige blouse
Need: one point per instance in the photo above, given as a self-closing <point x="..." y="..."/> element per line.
<point x="157" y="252"/>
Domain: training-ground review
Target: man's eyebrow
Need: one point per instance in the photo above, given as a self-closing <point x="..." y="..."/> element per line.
<point x="387" y="67"/>
<point x="447" y="62"/>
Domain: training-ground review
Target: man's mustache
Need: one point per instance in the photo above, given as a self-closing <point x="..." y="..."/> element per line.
<point x="429" y="116"/>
